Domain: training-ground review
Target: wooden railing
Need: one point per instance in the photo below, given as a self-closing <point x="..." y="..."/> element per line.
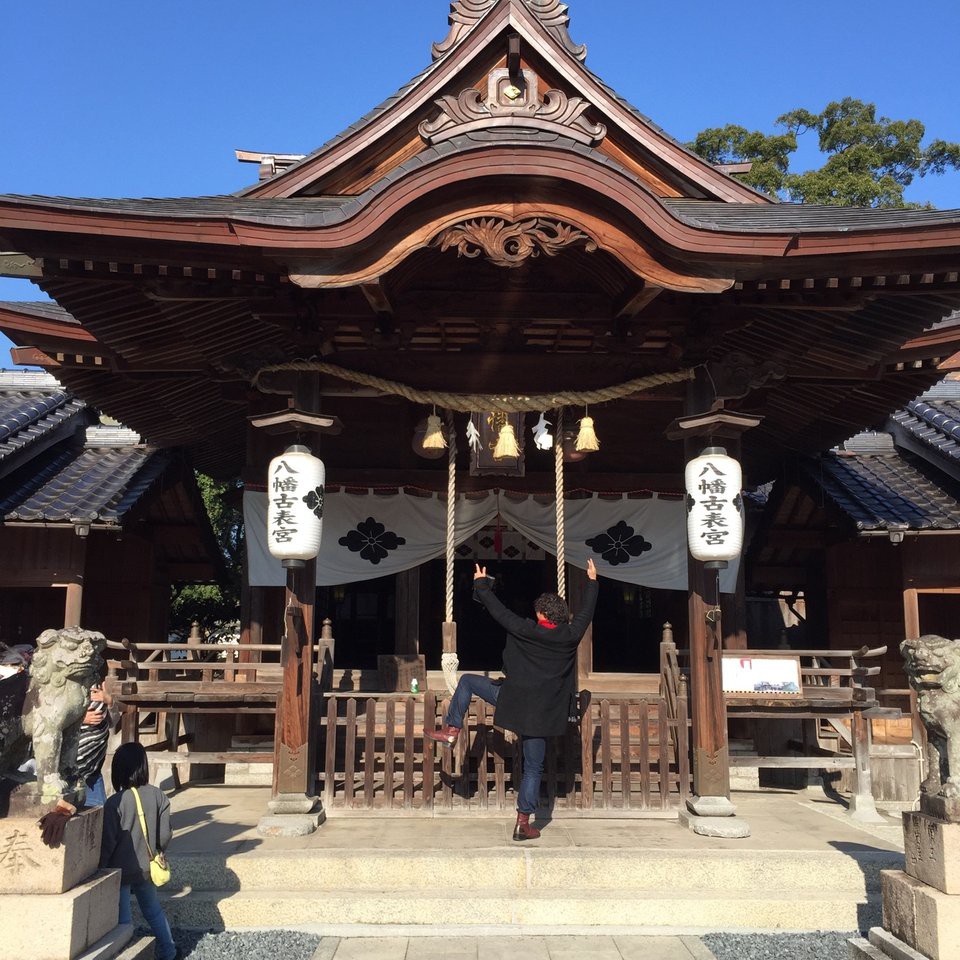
<point x="626" y="755"/>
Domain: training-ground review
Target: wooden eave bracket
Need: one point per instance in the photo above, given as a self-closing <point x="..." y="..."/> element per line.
<point x="722" y="424"/>
<point x="296" y="421"/>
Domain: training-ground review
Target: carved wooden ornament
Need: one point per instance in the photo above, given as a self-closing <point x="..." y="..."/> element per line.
<point x="507" y="105"/>
<point x="511" y="244"/>
<point x="466" y="14"/>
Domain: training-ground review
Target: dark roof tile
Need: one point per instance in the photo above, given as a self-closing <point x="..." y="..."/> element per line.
<point x="891" y="489"/>
<point x="27" y="415"/>
<point x="84" y="485"/>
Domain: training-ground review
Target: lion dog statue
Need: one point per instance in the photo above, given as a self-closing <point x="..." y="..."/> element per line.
<point x="933" y="669"/>
<point x="66" y="664"/>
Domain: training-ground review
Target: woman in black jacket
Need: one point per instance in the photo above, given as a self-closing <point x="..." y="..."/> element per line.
<point x="539" y="661"/>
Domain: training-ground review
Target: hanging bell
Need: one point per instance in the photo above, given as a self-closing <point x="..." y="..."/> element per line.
<point x="587" y="441"/>
<point x="434" y="439"/>
<point x="506" y="447"/>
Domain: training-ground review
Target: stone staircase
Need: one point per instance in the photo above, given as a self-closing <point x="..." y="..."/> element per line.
<point x="530" y="889"/>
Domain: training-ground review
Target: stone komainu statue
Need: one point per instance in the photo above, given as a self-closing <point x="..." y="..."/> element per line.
<point x="933" y="669"/>
<point x="66" y="664"/>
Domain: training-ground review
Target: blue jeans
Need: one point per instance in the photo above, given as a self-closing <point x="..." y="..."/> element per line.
<point x="96" y="792"/>
<point x="146" y="894"/>
<point x="534" y="748"/>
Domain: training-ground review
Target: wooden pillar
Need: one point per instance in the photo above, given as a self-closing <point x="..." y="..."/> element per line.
<point x="293" y="769"/>
<point x="73" y="608"/>
<point x="407" y="612"/>
<point x="707" y="424"/>
<point x="862" y="805"/>
<point x="576" y="584"/>
<point x="911" y="613"/>
<point x="708" y="709"/>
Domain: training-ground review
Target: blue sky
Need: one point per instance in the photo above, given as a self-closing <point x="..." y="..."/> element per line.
<point x="121" y="98"/>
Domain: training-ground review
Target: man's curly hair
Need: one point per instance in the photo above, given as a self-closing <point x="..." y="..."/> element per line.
<point x="554" y="608"/>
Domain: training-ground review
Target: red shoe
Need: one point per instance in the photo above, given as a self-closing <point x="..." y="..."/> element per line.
<point x="523" y="830"/>
<point x="446" y="735"/>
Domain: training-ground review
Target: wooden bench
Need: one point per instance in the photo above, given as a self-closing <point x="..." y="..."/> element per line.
<point x="835" y="691"/>
<point x="212" y="680"/>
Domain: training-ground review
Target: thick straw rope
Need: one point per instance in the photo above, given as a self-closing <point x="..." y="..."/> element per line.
<point x="450" y="662"/>
<point x="472" y="402"/>
<point x="451" y="509"/>
<point x="561" y="530"/>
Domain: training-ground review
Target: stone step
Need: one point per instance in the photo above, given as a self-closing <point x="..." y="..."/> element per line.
<point x="512" y="870"/>
<point x="530" y="911"/>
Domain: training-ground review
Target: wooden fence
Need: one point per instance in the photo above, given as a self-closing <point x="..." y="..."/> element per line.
<point x="628" y="754"/>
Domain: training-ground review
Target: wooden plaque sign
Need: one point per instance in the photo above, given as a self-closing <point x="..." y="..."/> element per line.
<point x="761" y="676"/>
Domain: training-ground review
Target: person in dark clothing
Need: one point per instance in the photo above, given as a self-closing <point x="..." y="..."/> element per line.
<point x="124" y="846"/>
<point x="534" y="699"/>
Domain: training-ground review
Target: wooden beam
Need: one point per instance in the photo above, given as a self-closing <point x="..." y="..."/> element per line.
<point x="376" y="296"/>
<point x="636" y="302"/>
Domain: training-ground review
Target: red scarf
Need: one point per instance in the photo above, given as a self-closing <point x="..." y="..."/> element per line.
<point x="542" y="621"/>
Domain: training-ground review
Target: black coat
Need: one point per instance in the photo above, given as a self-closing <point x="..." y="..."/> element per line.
<point x="540" y="666"/>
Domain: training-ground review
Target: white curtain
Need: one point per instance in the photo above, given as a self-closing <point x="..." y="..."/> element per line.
<point x="636" y="541"/>
<point x="367" y="535"/>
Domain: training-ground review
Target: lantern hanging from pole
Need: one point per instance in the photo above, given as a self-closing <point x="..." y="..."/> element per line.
<point x="714" y="483"/>
<point x="295" y="487"/>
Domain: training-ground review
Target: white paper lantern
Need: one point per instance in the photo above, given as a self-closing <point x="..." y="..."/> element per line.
<point x="714" y="485"/>
<point x="295" y="487"/>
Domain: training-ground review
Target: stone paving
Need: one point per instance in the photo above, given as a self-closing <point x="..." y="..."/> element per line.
<point x="513" y="948"/>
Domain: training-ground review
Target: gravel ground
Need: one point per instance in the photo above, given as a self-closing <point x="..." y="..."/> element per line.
<point x="779" y="946"/>
<point x="286" y="945"/>
<point x="265" y="945"/>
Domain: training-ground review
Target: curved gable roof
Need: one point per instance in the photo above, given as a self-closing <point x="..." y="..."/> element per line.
<point x="537" y="23"/>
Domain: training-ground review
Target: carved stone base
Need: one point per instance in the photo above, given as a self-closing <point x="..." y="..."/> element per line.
<point x="863" y="809"/>
<point x="932" y="850"/>
<point x="293" y="803"/>
<point x="924" y="918"/>
<point x="27" y="865"/>
<point x="940" y="808"/>
<point x="711" y="807"/>
<point x="289" y="824"/>
<point x="721" y="828"/>
<point x="291" y="815"/>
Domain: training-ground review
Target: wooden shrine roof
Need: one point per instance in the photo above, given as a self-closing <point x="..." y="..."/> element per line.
<point x="462" y="238"/>
<point x="59" y="467"/>
<point x="310" y="212"/>
<point x="882" y="487"/>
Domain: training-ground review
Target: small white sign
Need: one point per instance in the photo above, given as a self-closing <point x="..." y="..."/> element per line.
<point x="762" y="676"/>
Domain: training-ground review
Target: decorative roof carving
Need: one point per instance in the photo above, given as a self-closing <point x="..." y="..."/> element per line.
<point x="466" y="14"/>
<point x="508" y="104"/>
<point x="511" y="244"/>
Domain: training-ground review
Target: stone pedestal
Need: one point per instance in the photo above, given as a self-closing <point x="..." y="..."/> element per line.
<point x="932" y="850"/>
<point x="921" y="905"/>
<point x="291" y="815"/>
<point x="55" y="904"/>
<point x="714" y="817"/>
<point x="28" y="866"/>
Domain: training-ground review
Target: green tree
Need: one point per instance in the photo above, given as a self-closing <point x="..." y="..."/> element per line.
<point x="870" y="160"/>
<point x="213" y="605"/>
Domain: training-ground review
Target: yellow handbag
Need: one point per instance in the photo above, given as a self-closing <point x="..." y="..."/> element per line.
<point x="159" y="868"/>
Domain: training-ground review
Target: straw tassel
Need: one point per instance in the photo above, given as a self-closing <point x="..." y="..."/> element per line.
<point x="434" y="439"/>
<point x="587" y="441"/>
<point x="506" y="444"/>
